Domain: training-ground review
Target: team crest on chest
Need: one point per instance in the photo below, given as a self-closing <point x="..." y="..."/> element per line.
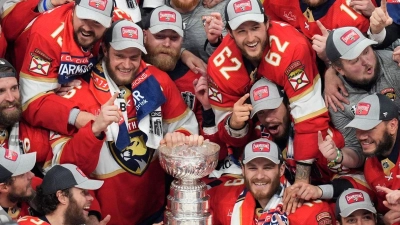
<point x="296" y="75"/>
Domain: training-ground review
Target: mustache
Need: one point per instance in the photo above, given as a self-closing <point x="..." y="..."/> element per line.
<point x="8" y="104"/>
<point x="91" y="33"/>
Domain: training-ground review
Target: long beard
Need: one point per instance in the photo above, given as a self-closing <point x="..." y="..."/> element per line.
<point x="314" y="4"/>
<point x="384" y="147"/>
<point x="14" y="197"/>
<point x="165" y="63"/>
<point x="366" y="84"/>
<point x="9" y="119"/>
<point x="74" y="215"/>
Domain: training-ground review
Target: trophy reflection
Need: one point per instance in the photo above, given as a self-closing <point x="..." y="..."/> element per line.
<point x="187" y="202"/>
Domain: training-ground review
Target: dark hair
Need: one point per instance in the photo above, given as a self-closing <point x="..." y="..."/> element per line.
<point x="48" y="203"/>
<point x="339" y="219"/>
<point x="9" y="181"/>
<point x="6" y="69"/>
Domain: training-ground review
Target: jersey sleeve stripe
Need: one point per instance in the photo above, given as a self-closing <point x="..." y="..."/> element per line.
<point x="26" y="104"/>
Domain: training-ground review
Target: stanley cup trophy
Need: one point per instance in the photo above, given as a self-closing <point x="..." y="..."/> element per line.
<point x="187" y="199"/>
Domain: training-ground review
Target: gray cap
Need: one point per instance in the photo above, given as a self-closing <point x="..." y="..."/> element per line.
<point x="346" y="43"/>
<point x="164" y="18"/>
<point x="13" y="164"/>
<point x="125" y="34"/>
<point x="240" y="11"/>
<point x="372" y="110"/>
<point x="97" y="10"/>
<point x="265" y="95"/>
<point x="352" y="200"/>
<point x="64" y="176"/>
<point x="5" y="63"/>
<point x="262" y="148"/>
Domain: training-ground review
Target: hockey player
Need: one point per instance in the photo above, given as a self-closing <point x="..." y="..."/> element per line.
<point x="148" y="105"/>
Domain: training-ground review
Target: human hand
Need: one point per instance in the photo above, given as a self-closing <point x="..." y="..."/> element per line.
<point x="319" y="42"/>
<point x="213" y="26"/>
<point x="194" y="63"/>
<point x="379" y="19"/>
<point x="178" y="138"/>
<point x="333" y="98"/>
<point x="64" y="90"/>
<point x="211" y="3"/>
<point x="327" y="147"/>
<point x="306" y="191"/>
<point x="201" y="90"/>
<point x="109" y="114"/>
<point x="363" y="6"/>
<point x="241" y="113"/>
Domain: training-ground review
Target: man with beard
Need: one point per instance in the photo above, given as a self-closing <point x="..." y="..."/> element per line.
<point x="258" y="197"/>
<point x="163" y="41"/>
<point x="121" y="149"/>
<point x="376" y="123"/>
<point x="195" y="17"/>
<point x="257" y="47"/>
<point x="15" y="182"/>
<point x="63" y="44"/>
<point x="363" y="72"/>
<point x="64" y="197"/>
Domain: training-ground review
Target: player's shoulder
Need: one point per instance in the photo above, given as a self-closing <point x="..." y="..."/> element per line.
<point x="161" y="76"/>
<point x="228" y="190"/>
<point x="318" y="212"/>
<point x="285" y="31"/>
<point x="31" y="220"/>
<point x="52" y="19"/>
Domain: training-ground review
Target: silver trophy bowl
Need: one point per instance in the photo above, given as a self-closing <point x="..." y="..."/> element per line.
<point x="187" y="202"/>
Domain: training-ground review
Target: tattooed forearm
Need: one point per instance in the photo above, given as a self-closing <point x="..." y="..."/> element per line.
<point x="303" y="172"/>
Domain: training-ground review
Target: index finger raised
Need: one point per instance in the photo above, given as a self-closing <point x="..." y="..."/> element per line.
<point x="324" y="31"/>
<point x="242" y="100"/>
<point x="320" y="138"/>
<point x="112" y="99"/>
<point x="216" y="15"/>
<point x="384" y="189"/>
<point x="383" y="6"/>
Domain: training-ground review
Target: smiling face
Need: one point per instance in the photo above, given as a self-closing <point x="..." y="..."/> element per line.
<point x="262" y="178"/>
<point x="21" y="188"/>
<point x="87" y="32"/>
<point x="10" y="102"/>
<point x="163" y="49"/>
<point x="78" y="206"/>
<point x="363" y="70"/>
<point x="122" y="65"/>
<point x="379" y="140"/>
<point x="251" y="38"/>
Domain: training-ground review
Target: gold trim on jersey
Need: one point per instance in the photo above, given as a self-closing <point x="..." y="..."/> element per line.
<point x="309" y="15"/>
<point x="42" y="79"/>
<point x="108" y="175"/>
<point x="24" y="106"/>
<point x="183" y="115"/>
<point x="311" y="115"/>
<point x="7" y="11"/>
<point x="60" y="140"/>
<point x="221" y="109"/>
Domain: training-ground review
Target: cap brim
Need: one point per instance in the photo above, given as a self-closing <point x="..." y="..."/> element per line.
<point x="90" y="184"/>
<point x="267" y="104"/>
<point x="237" y="21"/>
<point x="26" y="164"/>
<point x="84" y="13"/>
<point x="273" y="159"/>
<point x="157" y="28"/>
<point x="349" y="210"/>
<point x="363" y="124"/>
<point x="356" y="51"/>
<point x="121" y="45"/>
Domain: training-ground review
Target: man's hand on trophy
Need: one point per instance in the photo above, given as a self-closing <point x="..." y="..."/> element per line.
<point x="178" y="138"/>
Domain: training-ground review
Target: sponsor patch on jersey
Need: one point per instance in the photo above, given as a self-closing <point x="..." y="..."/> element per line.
<point x="363" y="108"/>
<point x="350" y="37"/>
<point x="296" y="75"/>
<point x="260" y="146"/>
<point x="242" y="6"/>
<point x="11" y="155"/>
<point x="167" y="16"/>
<point x="39" y="65"/>
<point x="260" y="93"/>
<point x="129" y="32"/>
<point x="324" y="218"/>
<point x="98" y="4"/>
<point x="354" y="197"/>
<point x="390" y="93"/>
<point x="41" y="54"/>
<point x="214" y="95"/>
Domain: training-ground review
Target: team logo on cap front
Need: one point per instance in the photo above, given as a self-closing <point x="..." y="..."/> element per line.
<point x="260" y="147"/>
<point x="98" y="4"/>
<point x="242" y="6"/>
<point x="260" y="93"/>
<point x="349" y="37"/>
<point x="129" y="32"/>
<point x="167" y="16"/>
<point x="354" y="197"/>
<point x="363" y="108"/>
<point x="11" y="155"/>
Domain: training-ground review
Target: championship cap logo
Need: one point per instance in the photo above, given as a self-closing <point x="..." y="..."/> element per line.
<point x="98" y="4"/>
<point x="354" y="197"/>
<point x="260" y="93"/>
<point x="129" y="32"/>
<point x="350" y="37"/>
<point x="80" y="171"/>
<point x="167" y="16"/>
<point x="242" y="6"/>
<point x="260" y="147"/>
<point x="10" y="155"/>
<point x="363" y="108"/>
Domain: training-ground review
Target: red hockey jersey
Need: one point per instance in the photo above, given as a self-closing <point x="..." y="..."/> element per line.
<point x="339" y="14"/>
<point x="3" y="43"/>
<point x="31" y="220"/>
<point x="52" y="57"/>
<point x="223" y="199"/>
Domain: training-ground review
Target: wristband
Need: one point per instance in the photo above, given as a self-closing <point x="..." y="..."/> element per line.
<point x="73" y="114"/>
<point x="327" y="191"/>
